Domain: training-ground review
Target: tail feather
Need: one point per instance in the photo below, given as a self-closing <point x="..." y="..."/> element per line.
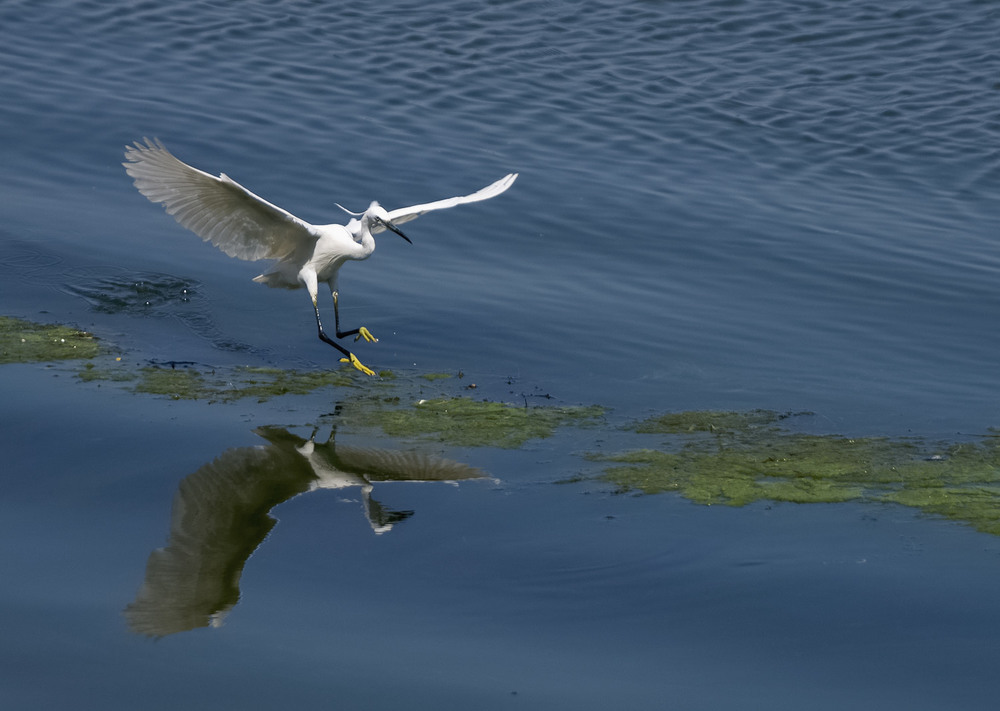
<point x="278" y="279"/>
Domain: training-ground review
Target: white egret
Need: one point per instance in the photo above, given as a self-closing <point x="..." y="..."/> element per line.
<point x="245" y="226"/>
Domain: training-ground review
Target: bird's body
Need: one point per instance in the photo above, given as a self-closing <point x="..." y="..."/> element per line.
<point x="335" y="245"/>
<point x="244" y="225"/>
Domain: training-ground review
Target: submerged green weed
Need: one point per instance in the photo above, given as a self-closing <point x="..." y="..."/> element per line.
<point x="216" y="385"/>
<point x="117" y="373"/>
<point x="710" y="457"/>
<point x="260" y="384"/>
<point x="266" y="383"/>
<point x="739" y="464"/>
<point x="709" y="421"/>
<point x="183" y="384"/>
<point x="458" y="421"/>
<point x="28" y="342"/>
<point x="471" y="423"/>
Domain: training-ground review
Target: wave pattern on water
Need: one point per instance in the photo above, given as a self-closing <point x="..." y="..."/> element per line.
<point x="825" y="86"/>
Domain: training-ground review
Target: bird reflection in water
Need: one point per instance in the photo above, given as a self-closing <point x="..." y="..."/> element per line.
<point x="221" y="514"/>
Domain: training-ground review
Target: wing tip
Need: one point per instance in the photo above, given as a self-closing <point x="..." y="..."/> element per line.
<point x="504" y="183"/>
<point x="135" y="150"/>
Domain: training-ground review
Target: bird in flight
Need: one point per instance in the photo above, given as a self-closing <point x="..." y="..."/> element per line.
<point x="245" y="226"/>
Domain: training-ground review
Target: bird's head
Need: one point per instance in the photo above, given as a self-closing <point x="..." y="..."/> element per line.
<point x="376" y="219"/>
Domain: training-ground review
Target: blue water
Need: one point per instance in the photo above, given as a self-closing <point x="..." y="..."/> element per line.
<point x="720" y="205"/>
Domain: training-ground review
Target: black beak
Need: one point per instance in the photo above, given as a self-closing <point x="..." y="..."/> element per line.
<point x="390" y="226"/>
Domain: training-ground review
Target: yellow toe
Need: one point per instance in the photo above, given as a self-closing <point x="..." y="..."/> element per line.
<point x="358" y="364"/>
<point x="365" y="334"/>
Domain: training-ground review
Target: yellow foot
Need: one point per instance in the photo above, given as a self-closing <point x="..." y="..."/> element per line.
<point x="358" y="364"/>
<point x="365" y="334"/>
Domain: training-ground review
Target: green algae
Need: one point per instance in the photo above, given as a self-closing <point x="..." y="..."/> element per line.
<point x="465" y="422"/>
<point x="117" y="373"/>
<point x="755" y="461"/>
<point x="709" y="421"/>
<point x="183" y="384"/>
<point x="457" y="421"/>
<point x="809" y="471"/>
<point x="28" y="342"/>
<point x="186" y="382"/>
<point x="266" y="383"/>
<point x="215" y="385"/>
<point x="709" y="456"/>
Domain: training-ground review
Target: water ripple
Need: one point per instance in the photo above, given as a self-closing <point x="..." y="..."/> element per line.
<point x="150" y="295"/>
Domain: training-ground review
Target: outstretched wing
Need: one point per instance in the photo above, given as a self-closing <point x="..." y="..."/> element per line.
<point x="405" y="214"/>
<point x="219" y="210"/>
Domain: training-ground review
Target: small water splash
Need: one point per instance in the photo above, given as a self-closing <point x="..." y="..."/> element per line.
<point x="151" y="295"/>
<point x="141" y="294"/>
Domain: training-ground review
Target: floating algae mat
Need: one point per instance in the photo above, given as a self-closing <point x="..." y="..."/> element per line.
<point x="189" y="382"/>
<point x="29" y="342"/>
<point x="709" y="457"/>
<point x="738" y="458"/>
<point x="394" y="405"/>
<point x="465" y="422"/>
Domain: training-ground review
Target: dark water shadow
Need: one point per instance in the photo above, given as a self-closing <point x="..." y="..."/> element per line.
<point x="221" y="514"/>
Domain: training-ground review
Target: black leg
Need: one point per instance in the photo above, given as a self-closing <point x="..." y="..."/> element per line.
<point x="326" y="338"/>
<point x="349" y="357"/>
<point x="358" y="333"/>
<point x="336" y="321"/>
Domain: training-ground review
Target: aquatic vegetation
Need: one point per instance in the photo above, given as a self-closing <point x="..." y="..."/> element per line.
<point x="456" y="420"/>
<point x="220" y="385"/>
<point x="114" y="373"/>
<point x="709" y="421"/>
<point x="178" y="384"/>
<point x="267" y="383"/>
<point x="185" y="381"/>
<point x="755" y="461"/>
<point x="28" y="342"/>
<point x="465" y="422"/>
<point x="707" y="456"/>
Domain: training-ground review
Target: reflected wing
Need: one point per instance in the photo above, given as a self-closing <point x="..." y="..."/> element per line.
<point x="219" y="517"/>
<point x="394" y="465"/>
<point x="405" y="214"/>
<point x="219" y="210"/>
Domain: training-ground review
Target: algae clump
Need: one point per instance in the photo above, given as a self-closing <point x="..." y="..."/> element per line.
<point x="747" y="459"/>
<point x="234" y="384"/>
<point x="28" y="342"/>
<point x="465" y="422"/>
<point x="265" y="383"/>
<point x="709" y="421"/>
<point x="115" y="374"/>
<point x="176" y="384"/>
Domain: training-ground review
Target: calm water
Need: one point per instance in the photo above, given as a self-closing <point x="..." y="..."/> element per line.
<point x="721" y="205"/>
